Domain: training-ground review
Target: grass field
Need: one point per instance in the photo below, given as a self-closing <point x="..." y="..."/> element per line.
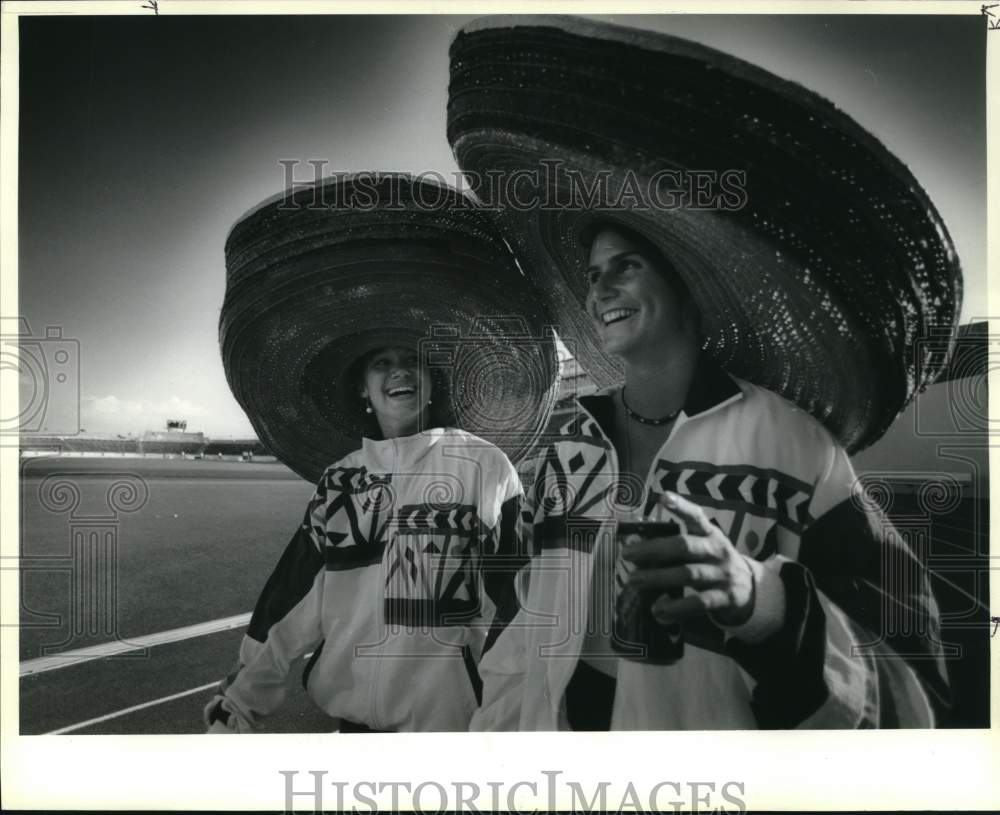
<point x="193" y="544"/>
<point x="199" y="548"/>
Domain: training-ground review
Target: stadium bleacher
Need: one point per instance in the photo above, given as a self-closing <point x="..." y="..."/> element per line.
<point x="85" y="444"/>
<point x="235" y="447"/>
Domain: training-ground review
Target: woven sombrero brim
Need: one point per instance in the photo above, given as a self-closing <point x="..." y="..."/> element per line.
<point x="312" y="290"/>
<point x="821" y="285"/>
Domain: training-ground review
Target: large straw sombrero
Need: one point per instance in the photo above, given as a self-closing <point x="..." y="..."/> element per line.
<point x="319" y="276"/>
<point x="819" y="272"/>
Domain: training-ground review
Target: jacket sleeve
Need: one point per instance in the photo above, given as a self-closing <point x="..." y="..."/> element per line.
<point x="861" y="563"/>
<point x="502" y="664"/>
<point x="834" y="660"/>
<point x="504" y="556"/>
<point x="285" y="625"/>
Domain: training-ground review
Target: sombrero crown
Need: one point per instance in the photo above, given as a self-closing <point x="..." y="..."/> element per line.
<point x="321" y="275"/>
<point x="820" y="266"/>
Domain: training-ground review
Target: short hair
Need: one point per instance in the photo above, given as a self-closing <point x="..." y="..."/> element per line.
<point x="643" y="245"/>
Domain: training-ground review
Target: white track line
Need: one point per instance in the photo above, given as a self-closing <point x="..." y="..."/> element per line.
<point x="152" y="703"/>
<point x="118" y="647"/>
<point x="117" y="713"/>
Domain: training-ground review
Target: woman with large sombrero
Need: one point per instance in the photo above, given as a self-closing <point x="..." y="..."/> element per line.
<point x="377" y="332"/>
<point x="747" y="335"/>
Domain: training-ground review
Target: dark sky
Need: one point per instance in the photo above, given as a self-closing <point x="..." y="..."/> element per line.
<point x="143" y="139"/>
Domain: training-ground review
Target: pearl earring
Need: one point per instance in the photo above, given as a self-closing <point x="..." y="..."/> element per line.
<point x="368" y="407"/>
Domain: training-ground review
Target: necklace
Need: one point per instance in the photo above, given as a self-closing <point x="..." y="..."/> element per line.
<point x="643" y="419"/>
<point x="632" y="493"/>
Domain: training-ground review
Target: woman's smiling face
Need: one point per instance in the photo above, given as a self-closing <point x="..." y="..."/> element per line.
<point x="630" y="299"/>
<point x="396" y="384"/>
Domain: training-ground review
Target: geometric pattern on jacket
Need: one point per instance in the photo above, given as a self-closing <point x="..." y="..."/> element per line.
<point x="568" y="487"/>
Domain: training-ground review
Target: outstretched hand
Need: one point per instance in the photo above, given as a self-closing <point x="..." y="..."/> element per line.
<point x="703" y="558"/>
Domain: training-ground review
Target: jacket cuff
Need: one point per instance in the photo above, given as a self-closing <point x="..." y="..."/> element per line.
<point x="768" y="615"/>
<point x="222" y="716"/>
<point x="788" y="666"/>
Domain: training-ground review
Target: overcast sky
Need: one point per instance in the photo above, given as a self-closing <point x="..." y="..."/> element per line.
<point x="143" y="139"/>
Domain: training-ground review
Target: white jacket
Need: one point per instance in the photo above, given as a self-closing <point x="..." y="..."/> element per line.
<point x="773" y="479"/>
<point x="418" y="528"/>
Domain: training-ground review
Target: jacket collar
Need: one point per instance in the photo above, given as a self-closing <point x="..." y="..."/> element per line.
<point x="711" y="387"/>
<point x="400" y="455"/>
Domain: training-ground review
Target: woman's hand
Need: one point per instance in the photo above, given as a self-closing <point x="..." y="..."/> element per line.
<point x="703" y="558"/>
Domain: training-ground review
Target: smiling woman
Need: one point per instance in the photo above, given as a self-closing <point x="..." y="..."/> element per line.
<point x="404" y="552"/>
<point x="637" y="303"/>
<point x="397" y="391"/>
<point x="720" y="438"/>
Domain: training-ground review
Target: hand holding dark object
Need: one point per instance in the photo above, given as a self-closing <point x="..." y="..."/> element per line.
<point x="702" y="558"/>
